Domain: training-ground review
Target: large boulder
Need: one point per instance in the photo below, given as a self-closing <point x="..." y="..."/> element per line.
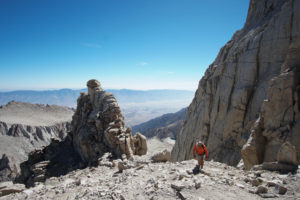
<point x="163" y="156"/>
<point x="139" y="144"/>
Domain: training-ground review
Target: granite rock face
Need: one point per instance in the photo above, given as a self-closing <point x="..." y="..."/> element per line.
<point x="247" y="103"/>
<point x="98" y="126"/>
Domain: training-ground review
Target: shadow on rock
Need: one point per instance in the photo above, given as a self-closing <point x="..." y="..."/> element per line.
<point x="57" y="159"/>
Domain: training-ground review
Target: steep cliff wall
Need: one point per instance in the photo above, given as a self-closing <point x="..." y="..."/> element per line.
<point x="255" y="76"/>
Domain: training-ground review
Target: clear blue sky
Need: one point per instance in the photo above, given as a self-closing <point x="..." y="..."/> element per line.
<point x="135" y="44"/>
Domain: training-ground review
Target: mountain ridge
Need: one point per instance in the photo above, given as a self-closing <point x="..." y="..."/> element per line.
<point x="167" y="125"/>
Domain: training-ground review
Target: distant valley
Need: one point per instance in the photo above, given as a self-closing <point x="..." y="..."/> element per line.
<point x="138" y="106"/>
<point x="167" y="125"/>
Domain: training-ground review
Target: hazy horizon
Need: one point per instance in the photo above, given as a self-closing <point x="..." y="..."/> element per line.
<point x="130" y="44"/>
<point x="53" y="89"/>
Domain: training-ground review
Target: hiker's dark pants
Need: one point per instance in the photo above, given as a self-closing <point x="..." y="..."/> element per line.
<point x="200" y="159"/>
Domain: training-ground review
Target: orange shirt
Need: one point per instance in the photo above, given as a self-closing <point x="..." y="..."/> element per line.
<point x="201" y="150"/>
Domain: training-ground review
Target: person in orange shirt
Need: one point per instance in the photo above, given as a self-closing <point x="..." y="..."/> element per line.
<point x="199" y="152"/>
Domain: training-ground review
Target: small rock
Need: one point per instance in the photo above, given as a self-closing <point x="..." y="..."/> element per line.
<point x="240" y="186"/>
<point x="28" y="192"/>
<point x="197" y="184"/>
<point x="258" y="174"/>
<point x="247" y="180"/>
<point x="261" y="180"/>
<point x="177" y="186"/>
<point x="284" y="181"/>
<point x="140" y="167"/>
<point x="228" y="182"/>
<point x="279" y="189"/>
<point x="268" y="195"/>
<point x="255" y="182"/>
<point x="122" y="197"/>
<point x="231" y="174"/>
<point x="184" y="195"/>
<point x="252" y="191"/>
<point x="271" y="184"/>
<point x="122" y="165"/>
<point x="261" y="189"/>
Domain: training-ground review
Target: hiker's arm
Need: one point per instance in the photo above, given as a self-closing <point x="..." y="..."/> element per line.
<point x="194" y="150"/>
<point x="206" y="152"/>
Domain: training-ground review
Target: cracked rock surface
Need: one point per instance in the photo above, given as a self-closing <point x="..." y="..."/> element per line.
<point x="247" y="103"/>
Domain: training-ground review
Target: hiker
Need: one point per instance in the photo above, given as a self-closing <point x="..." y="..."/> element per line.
<point x="199" y="152"/>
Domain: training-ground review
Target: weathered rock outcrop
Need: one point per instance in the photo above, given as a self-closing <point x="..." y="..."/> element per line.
<point x="250" y="94"/>
<point x="8" y="168"/>
<point x="25" y="127"/>
<point x="97" y="127"/>
<point x="57" y="159"/>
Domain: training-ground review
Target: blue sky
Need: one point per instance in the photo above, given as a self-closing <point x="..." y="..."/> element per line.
<point x="134" y="44"/>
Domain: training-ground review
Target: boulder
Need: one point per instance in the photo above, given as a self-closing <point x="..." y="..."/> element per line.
<point x="163" y="156"/>
<point x="261" y="189"/>
<point x="279" y="189"/>
<point x="123" y="165"/>
<point x="139" y="144"/>
<point x="280" y="167"/>
<point x="287" y="154"/>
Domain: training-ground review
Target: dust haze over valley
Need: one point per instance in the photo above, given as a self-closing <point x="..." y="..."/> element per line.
<point x="137" y="106"/>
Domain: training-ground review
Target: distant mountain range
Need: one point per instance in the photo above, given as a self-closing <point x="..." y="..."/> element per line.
<point x="167" y="125"/>
<point x="137" y="106"/>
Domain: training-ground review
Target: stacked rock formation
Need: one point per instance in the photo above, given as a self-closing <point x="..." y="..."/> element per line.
<point x="250" y="94"/>
<point x="98" y="126"/>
